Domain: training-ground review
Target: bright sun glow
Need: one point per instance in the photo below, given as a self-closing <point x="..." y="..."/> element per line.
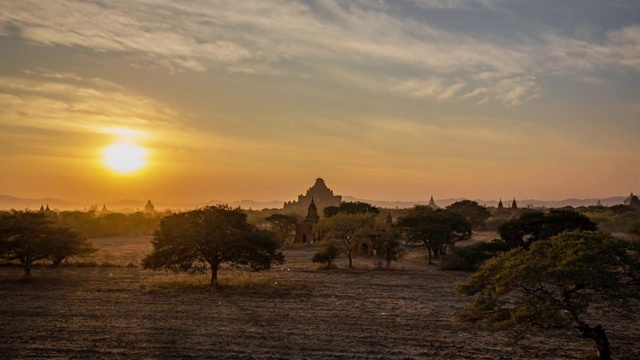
<point x="125" y="157"/>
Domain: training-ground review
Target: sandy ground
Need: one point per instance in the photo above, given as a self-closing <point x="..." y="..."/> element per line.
<point x="294" y="311"/>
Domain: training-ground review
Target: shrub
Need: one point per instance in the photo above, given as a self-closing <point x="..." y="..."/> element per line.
<point x="326" y="255"/>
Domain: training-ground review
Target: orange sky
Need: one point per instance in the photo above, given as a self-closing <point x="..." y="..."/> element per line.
<point x="385" y="100"/>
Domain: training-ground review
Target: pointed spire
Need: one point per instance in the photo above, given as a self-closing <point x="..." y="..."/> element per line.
<point x="500" y="205"/>
<point x="41" y="207"/>
<point x="312" y="212"/>
<point x="389" y="218"/>
<point x="432" y="203"/>
<point x="514" y="204"/>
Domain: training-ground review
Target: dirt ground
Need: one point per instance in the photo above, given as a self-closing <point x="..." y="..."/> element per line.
<point x="294" y="311"/>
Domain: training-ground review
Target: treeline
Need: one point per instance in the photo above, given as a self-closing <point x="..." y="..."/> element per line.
<point x="92" y="224"/>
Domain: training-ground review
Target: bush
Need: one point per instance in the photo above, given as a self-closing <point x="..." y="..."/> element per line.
<point x="634" y="227"/>
<point x="470" y="258"/>
<point x="326" y="255"/>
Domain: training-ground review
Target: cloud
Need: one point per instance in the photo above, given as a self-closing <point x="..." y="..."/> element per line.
<point x="367" y="40"/>
<point x="66" y="102"/>
<point x="458" y="4"/>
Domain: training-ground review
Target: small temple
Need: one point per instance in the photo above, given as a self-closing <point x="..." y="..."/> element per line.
<point x="321" y="195"/>
<point x="432" y="204"/>
<point x="304" y="230"/>
<point x="149" y="208"/>
<point x="514" y="204"/>
<point x="632" y="201"/>
<point x="389" y="218"/>
<point x="500" y="205"/>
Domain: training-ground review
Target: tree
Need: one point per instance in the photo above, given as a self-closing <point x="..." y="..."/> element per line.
<point x="31" y="236"/>
<point x="387" y="246"/>
<point x="435" y="229"/>
<point x="326" y="255"/>
<point x="556" y="283"/>
<point x="473" y="212"/>
<point x="534" y="226"/>
<point x="347" y="232"/>
<point x="68" y="243"/>
<point x="283" y="225"/>
<point x="208" y="237"/>
<point x="348" y="207"/>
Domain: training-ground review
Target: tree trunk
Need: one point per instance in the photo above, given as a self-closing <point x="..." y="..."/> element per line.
<point x="599" y="337"/>
<point x="214" y="275"/>
<point x="329" y="264"/>
<point x="27" y="269"/>
<point x="350" y="261"/>
<point x="429" y="256"/>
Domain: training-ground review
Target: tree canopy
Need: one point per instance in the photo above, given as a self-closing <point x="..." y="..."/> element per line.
<point x="473" y="212"/>
<point x="435" y="229"/>
<point x="347" y="232"/>
<point x="347" y="207"/>
<point x="209" y="237"/>
<point x="533" y="226"/>
<point x="32" y="236"/>
<point x="556" y="283"/>
<point x="283" y="226"/>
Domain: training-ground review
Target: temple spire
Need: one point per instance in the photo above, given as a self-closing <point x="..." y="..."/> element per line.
<point x="432" y="203"/>
<point x="389" y="218"/>
<point x="312" y="212"/>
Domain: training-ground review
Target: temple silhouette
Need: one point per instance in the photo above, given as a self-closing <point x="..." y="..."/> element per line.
<point x="321" y="195"/>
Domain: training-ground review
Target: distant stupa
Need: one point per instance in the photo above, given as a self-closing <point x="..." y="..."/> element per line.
<point x="432" y="204"/>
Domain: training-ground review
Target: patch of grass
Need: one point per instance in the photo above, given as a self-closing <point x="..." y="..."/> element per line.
<point x="234" y="281"/>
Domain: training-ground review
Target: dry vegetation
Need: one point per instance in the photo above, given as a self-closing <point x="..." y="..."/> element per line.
<point x="116" y="310"/>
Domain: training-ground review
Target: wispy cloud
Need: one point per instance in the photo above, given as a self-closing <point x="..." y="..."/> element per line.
<point x="459" y="4"/>
<point x="328" y="37"/>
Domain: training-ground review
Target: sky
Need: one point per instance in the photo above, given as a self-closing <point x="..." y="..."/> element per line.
<point x="385" y="100"/>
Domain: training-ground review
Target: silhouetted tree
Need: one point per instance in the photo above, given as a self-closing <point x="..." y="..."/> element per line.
<point x="283" y="225"/>
<point x="534" y="226"/>
<point x="68" y="243"/>
<point x="555" y="283"/>
<point x="347" y="232"/>
<point x="209" y="237"/>
<point x="388" y="246"/>
<point x="473" y="212"/>
<point x="435" y="229"/>
<point x="621" y="209"/>
<point x="356" y="207"/>
<point x="326" y="255"/>
<point x="31" y="236"/>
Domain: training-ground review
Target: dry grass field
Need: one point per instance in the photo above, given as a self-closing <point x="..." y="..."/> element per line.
<point x="111" y="308"/>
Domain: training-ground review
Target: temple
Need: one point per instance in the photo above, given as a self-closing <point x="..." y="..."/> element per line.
<point x="632" y="201"/>
<point x="500" y="205"/>
<point x="321" y="195"/>
<point x="149" y="208"/>
<point x="514" y="204"/>
<point x="432" y="204"/>
<point x="305" y="229"/>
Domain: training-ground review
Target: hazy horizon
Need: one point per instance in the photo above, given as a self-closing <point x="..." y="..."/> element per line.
<point x="183" y="102"/>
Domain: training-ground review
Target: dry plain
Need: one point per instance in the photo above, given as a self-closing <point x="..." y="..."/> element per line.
<point x="111" y="308"/>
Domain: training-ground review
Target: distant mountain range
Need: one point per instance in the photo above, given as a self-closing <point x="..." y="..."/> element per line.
<point x="10" y="202"/>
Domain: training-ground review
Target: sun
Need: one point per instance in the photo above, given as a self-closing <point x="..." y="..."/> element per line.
<point x="125" y="157"/>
